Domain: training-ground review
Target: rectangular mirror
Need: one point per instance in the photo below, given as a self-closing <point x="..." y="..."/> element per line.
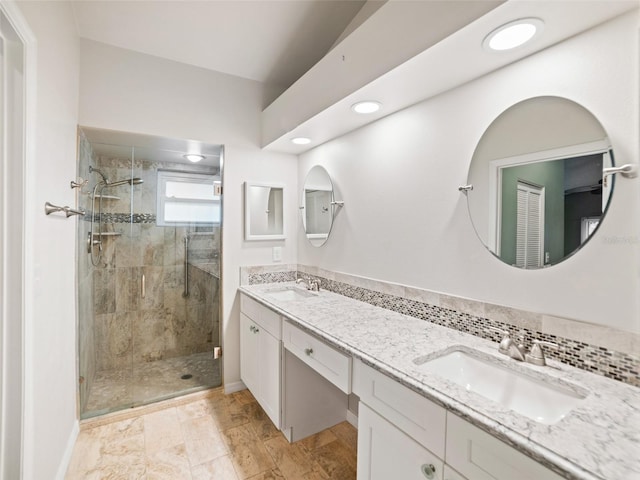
<point x="263" y="211"/>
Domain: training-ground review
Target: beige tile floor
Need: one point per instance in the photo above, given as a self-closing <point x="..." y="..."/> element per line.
<point x="207" y="435"/>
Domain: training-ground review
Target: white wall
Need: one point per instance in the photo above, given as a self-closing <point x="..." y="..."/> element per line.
<point x="404" y="220"/>
<point x="50" y="334"/>
<point x="128" y="91"/>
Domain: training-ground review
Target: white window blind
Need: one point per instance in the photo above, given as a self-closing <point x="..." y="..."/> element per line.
<point x="530" y="226"/>
<point x="187" y="199"/>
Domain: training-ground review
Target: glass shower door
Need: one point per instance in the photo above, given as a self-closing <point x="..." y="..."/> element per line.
<point x="176" y="330"/>
<point x="148" y="294"/>
<point x="105" y="300"/>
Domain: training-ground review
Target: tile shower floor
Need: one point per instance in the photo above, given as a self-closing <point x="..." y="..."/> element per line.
<point x="152" y="381"/>
<point x="213" y="436"/>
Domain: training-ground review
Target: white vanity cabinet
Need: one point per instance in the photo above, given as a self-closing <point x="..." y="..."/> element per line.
<point x="303" y="384"/>
<point x="260" y="355"/>
<point x="401" y="434"/>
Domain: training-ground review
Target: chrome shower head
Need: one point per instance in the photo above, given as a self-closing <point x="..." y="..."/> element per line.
<point x="99" y="172"/>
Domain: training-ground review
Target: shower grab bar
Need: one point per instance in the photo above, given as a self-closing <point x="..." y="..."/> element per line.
<point x="185" y="294"/>
<point x="50" y="208"/>
<point x="143" y="286"/>
<point x="95" y="260"/>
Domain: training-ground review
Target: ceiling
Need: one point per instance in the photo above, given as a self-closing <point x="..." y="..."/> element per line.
<point x="324" y="55"/>
<point x="115" y="144"/>
<point x="312" y="109"/>
<point x="270" y="41"/>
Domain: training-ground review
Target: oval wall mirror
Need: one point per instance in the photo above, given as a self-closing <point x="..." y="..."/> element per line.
<point x="536" y="190"/>
<point x="316" y="205"/>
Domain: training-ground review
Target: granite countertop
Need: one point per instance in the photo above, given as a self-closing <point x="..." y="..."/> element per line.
<point x="599" y="439"/>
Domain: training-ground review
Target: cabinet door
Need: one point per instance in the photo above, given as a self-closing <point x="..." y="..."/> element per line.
<point x="268" y="364"/>
<point x="421" y="419"/>
<point x="249" y="354"/>
<point x="385" y="452"/>
<point x="480" y="456"/>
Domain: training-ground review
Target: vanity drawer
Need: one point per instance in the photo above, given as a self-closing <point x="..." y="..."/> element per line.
<point x="333" y="365"/>
<point x="420" y="418"/>
<point x="387" y="453"/>
<point x="480" y="456"/>
<point x="266" y="318"/>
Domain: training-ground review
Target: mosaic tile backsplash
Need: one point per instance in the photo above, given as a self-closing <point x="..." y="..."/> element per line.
<point x="272" y="277"/>
<point x="620" y="366"/>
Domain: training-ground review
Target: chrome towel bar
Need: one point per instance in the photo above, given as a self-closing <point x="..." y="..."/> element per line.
<point x="628" y="170"/>
<point x="50" y="208"/>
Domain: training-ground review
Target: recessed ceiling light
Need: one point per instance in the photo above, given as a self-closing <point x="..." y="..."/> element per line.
<point x="301" y="140"/>
<point x="513" y="34"/>
<point x="368" y="106"/>
<point x="194" y="157"/>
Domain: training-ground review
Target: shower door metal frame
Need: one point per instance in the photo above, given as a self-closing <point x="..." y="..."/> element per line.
<point x="221" y="276"/>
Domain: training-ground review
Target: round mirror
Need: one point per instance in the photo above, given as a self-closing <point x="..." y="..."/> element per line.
<point x="317" y="206"/>
<point x="536" y="191"/>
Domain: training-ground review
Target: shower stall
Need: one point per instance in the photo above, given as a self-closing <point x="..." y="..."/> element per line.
<point x="148" y="269"/>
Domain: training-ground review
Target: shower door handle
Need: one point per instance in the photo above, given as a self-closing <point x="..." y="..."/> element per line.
<point x="185" y="293"/>
<point x="143" y="286"/>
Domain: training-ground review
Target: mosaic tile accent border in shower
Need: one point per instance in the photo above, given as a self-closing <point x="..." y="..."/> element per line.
<point x="616" y="365"/>
<point x="123" y="218"/>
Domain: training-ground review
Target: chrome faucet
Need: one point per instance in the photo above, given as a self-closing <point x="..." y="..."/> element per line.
<point x="536" y="355"/>
<point x="313" y="285"/>
<point x="506" y="344"/>
<point x="518" y="351"/>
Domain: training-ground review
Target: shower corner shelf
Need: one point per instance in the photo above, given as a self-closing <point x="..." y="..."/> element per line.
<point x="108" y="197"/>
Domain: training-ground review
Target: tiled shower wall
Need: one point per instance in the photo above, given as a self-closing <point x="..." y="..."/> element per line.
<point x="131" y="329"/>
<point x="128" y="329"/>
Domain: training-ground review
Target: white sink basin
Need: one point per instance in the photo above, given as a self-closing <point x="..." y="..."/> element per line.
<point x="544" y="402"/>
<point x="289" y="293"/>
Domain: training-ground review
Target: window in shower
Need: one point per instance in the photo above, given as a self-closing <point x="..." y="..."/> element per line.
<point x="187" y="199"/>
